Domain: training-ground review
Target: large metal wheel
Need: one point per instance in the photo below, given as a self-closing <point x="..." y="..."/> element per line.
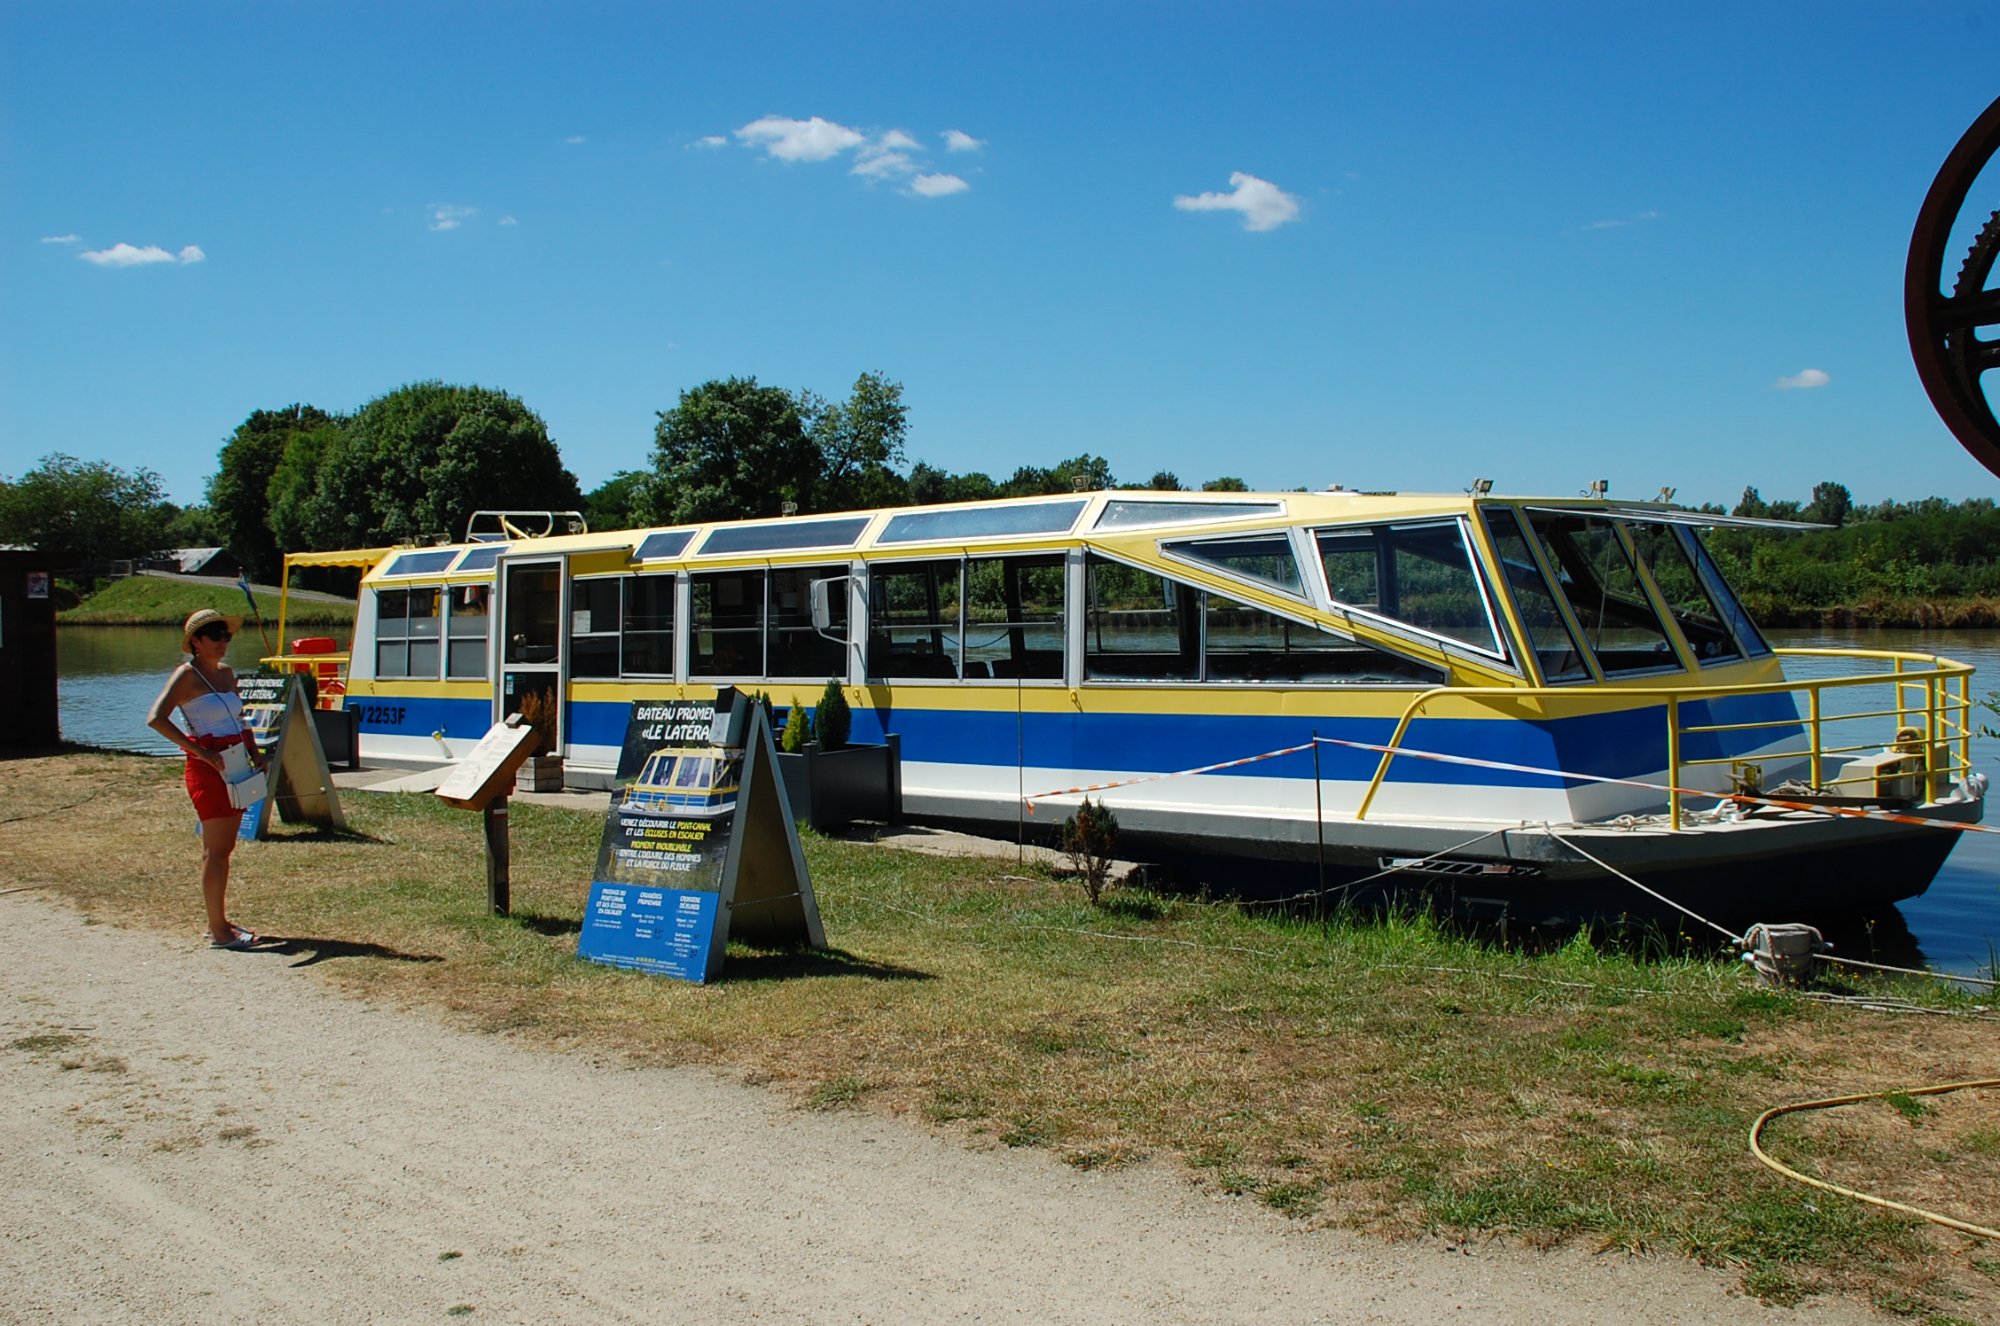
<point x="1944" y="327"/>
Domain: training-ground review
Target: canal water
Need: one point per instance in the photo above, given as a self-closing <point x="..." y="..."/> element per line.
<point x="109" y="676"/>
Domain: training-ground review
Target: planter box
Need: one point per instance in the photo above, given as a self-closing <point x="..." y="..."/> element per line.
<point x="540" y="773"/>
<point x="830" y="788"/>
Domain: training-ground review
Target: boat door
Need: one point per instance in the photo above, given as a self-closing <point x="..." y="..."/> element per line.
<point x="531" y="644"/>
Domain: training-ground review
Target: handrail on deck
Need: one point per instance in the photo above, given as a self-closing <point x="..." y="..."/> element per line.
<point x="1943" y="715"/>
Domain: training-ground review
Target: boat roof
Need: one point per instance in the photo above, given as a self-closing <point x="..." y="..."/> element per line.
<point x="1013" y="524"/>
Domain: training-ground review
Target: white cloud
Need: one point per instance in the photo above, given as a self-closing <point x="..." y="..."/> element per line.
<point x="447" y="216"/>
<point x="712" y="141"/>
<point x="1805" y="378"/>
<point x="509" y="220"/>
<point x="1631" y="220"/>
<point x="1263" y="204"/>
<point x="957" y="141"/>
<point x="575" y="139"/>
<point x="884" y="164"/>
<point x="937" y="186"/>
<point x="62" y="239"/>
<point x="893" y="141"/>
<point x="127" y="255"/>
<point x="800" y="140"/>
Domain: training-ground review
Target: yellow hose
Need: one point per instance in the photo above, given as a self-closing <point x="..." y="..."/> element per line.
<point x="1978" y="1231"/>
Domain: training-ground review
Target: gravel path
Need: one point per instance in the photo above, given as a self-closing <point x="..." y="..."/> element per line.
<point x="194" y="1136"/>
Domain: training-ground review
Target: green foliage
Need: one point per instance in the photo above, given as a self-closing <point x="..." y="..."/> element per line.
<point x="88" y="508"/>
<point x="798" y="730"/>
<point x="860" y="443"/>
<point x="730" y="449"/>
<point x="239" y="492"/>
<point x="1226" y="484"/>
<point x="1089" y="837"/>
<point x="195" y="527"/>
<point x="1891" y="562"/>
<point x="618" y="502"/>
<point x="833" y="717"/>
<point x="416" y="462"/>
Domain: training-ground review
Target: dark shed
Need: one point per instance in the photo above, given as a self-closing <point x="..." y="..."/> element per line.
<point x="28" y="719"/>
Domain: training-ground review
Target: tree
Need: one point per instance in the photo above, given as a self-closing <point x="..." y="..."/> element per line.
<point x="1228" y="483"/>
<point x="730" y="449"/>
<point x="194" y="527"/>
<point x="619" y="502"/>
<point x="1165" y="481"/>
<point x="239" y="493"/>
<point x="1830" y="504"/>
<point x="1751" y="504"/>
<point x="438" y="453"/>
<point x="299" y="514"/>
<point x="860" y="442"/>
<point x="86" y="507"/>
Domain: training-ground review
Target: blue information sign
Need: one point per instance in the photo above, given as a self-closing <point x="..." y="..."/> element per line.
<point x="664" y="931"/>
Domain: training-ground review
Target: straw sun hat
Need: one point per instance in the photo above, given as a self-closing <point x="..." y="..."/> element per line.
<point x="201" y="619"/>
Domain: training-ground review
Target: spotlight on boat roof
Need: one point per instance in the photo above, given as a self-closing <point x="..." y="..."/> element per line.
<point x="1481" y="487"/>
<point x="1598" y="487"/>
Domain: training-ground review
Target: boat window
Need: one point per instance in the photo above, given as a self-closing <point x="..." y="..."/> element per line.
<point x="465" y="630"/>
<point x="726" y="625"/>
<point x="784" y="535"/>
<point x="1245" y="643"/>
<point x="427" y="563"/>
<point x="1266" y="558"/>
<point x="665" y="544"/>
<point x="913" y="619"/>
<point x="795" y="649"/>
<point x="1139" y="626"/>
<point x="648" y="627"/>
<point x="1597" y="578"/>
<point x="1556" y="650"/>
<point x="1420" y="574"/>
<point x="1016" y="609"/>
<point x="1121" y="514"/>
<point x="481" y="559"/>
<point x="534" y="629"/>
<point x="981" y="522"/>
<point x="1748" y="637"/>
<point x="593" y="627"/>
<point x="407" y="640"/>
<point x="1680" y="584"/>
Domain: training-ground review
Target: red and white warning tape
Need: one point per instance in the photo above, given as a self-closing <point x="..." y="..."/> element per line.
<point x="1852" y="812"/>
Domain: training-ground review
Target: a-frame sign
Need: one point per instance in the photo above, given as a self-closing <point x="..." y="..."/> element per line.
<point x="700" y="846"/>
<point x="301" y="784"/>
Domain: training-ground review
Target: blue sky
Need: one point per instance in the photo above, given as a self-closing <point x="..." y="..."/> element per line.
<point x="1382" y="245"/>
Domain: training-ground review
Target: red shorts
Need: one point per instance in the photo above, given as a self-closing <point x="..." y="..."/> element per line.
<point x="204" y="783"/>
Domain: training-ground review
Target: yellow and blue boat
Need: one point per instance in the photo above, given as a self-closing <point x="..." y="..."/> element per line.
<point x="1527" y="703"/>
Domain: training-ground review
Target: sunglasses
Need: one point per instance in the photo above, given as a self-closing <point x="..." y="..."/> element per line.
<point x="213" y="633"/>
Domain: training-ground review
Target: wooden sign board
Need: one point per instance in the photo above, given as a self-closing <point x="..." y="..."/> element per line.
<point x="488" y="772"/>
<point x="278" y="711"/>
<point x="704" y="850"/>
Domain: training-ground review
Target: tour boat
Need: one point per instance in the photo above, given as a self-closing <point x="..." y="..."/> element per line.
<point x="1533" y="706"/>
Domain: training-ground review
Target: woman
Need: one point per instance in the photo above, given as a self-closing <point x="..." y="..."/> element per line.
<point x="204" y="690"/>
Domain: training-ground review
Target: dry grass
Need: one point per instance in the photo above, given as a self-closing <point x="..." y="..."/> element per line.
<point x="1387" y="1076"/>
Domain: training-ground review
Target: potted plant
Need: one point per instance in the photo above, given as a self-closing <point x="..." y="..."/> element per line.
<point x="542" y="771"/>
<point x="828" y="780"/>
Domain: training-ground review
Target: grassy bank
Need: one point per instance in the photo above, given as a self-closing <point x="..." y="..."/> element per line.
<point x="1388" y="1076"/>
<point x="158" y="601"/>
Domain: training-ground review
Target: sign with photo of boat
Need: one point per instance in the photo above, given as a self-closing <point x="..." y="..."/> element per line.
<point x="655" y="724"/>
<point x="700" y="842"/>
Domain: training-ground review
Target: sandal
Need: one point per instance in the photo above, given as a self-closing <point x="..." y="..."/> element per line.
<point x="243" y="940"/>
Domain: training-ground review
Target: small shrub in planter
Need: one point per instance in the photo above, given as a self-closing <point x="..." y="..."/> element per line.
<point x="798" y="730"/>
<point x="834" y="719"/>
<point x="1088" y="839"/>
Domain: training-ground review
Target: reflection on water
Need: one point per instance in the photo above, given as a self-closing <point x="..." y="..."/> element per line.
<point x="111" y="674"/>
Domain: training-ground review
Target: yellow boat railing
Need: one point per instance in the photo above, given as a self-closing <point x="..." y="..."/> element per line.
<point x="1930" y="701"/>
